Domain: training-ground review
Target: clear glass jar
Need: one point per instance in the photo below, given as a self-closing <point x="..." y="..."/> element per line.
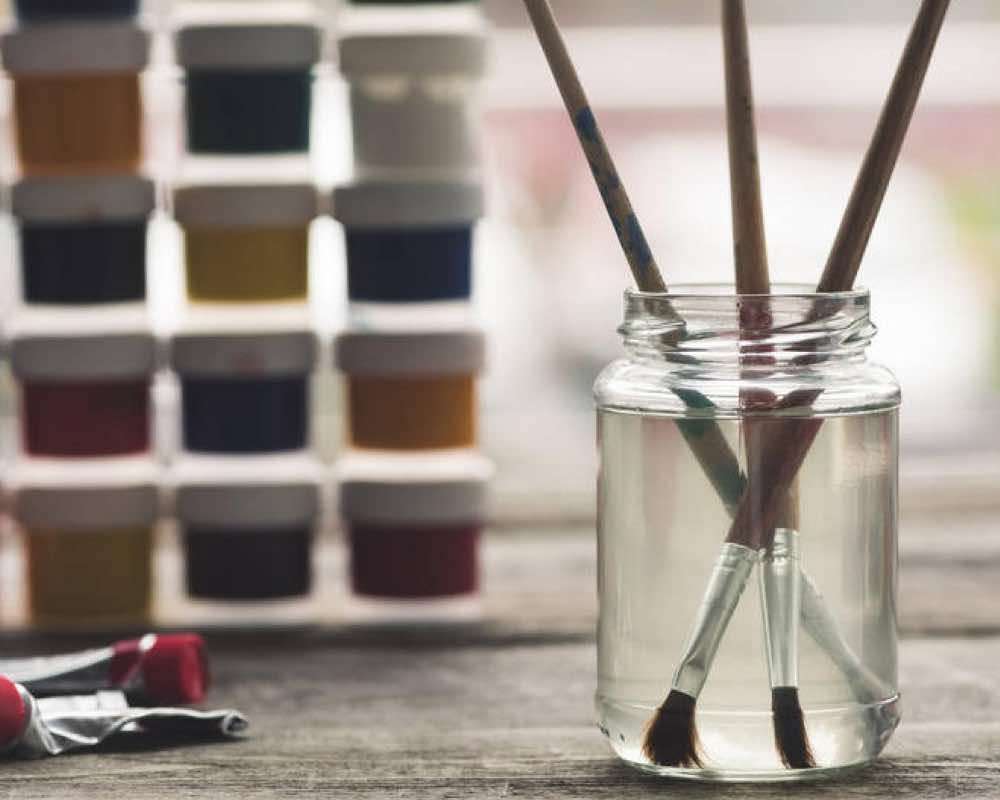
<point x="747" y="440"/>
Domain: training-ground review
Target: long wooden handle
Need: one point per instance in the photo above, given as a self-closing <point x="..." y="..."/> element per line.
<point x="869" y="191"/>
<point x="633" y="241"/>
<point x="750" y="248"/>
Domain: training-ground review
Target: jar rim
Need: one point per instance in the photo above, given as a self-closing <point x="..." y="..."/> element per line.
<point x="727" y="291"/>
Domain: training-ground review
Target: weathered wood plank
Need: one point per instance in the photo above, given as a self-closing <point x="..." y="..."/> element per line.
<point x="376" y="722"/>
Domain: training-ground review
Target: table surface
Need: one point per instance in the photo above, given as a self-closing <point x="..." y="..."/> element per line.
<point x="502" y="708"/>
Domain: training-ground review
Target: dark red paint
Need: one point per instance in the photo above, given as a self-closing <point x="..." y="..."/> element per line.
<point x="414" y="563"/>
<point x="85" y="418"/>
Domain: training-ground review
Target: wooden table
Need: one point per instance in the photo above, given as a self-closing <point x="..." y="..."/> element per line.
<point x="503" y="708"/>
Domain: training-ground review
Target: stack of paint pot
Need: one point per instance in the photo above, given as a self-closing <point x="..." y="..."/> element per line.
<point x="83" y="487"/>
<point x="412" y="486"/>
<point x="245" y="480"/>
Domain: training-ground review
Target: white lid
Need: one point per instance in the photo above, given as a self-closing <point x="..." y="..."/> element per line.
<point x="77" y="344"/>
<point x="98" y="493"/>
<point x="234" y="205"/>
<point x="413" y="53"/>
<point x="380" y="204"/>
<point x="77" y="47"/>
<point x="237" y="46"/>
<point x="410" y="353"/>
<point x="448" y="489"/>
<point x="243" y="353"/>
<point x="76" y="199"/>
<point x="247" y="493"/>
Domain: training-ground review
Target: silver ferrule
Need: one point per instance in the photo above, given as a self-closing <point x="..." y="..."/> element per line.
<point x="781" y="603"/>
<point x="823" y="629"/>
<point x="58" y="725"/>
<point x="725" y="587"/>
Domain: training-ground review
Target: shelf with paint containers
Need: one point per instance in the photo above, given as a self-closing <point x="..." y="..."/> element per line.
<point x="83" y="383"/>
<point x="247" y="529"/>
<point x="248" y="84"/>
<point x="414" y="79"/>
<point x="246" y="243"/>
<point x="82" y="241"/>
<point x="77" y="96"/>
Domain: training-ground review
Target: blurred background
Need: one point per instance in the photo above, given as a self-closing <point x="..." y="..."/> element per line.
<point x="549" y="274"/>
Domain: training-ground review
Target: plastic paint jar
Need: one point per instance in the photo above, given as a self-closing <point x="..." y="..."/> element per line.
<point x="411" y="391"/>
<point x="248" y="527"/>
<point x="88" y="536"/>
<point x="84" y="393"/>
<point x="83" y="240"/>
<point x="414" y="525"/>
<point x="52" y="10"/>
<point x="248" y="87"/>
<point x="408" y="242"/>
<point x="246" y="243"/>
<point x="413" y="100"/>
<point x="77" y="100"/>
<point x="245" y="392"/>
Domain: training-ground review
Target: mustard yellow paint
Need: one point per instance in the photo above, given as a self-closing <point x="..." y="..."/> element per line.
<point x="420" y="413"/>
<point x="94" y="577"/>
<point x="78" y="124"/>
<point x="243" y="265"/>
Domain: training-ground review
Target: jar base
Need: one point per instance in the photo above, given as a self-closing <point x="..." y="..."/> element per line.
<point x="738" y="746"/>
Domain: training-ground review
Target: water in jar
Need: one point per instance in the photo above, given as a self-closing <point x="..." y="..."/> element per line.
<point x="661" y="527"/>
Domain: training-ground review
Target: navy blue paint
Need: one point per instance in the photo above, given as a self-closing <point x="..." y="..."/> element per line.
<point x="47" y="10"/>
<point x="75" y="264"/>
<point x="248" y="111"/>
<point x="257" y="415"/>
<point x="409" y="265"/>
<point x="257" y="564"/>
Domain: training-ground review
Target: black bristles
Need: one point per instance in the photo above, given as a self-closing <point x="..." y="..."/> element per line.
<point x="790" y="735"/>
<point x="671" y="736"/>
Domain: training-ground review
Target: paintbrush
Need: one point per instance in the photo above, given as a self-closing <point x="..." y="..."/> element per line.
<point x="759" y="510"/>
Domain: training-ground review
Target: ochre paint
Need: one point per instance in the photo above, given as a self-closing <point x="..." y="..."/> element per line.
<point x="247" y="264"/>
<point x="89" y="577"/>
<point x="412" y="413"/>
<point x="73" y="124"/>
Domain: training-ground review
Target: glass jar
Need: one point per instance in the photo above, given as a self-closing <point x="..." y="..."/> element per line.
<point x="747" y="438"/>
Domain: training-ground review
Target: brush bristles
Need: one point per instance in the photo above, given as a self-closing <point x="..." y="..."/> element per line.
<point x="671" y="736"/>
<point x="790" y="735"/>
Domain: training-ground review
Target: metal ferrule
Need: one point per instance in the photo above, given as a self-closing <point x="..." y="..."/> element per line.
<point x="823" y="629"/>
<point x="781" y="602"/>
<point x="725" y="587"/>
<point x="57" y="725"/>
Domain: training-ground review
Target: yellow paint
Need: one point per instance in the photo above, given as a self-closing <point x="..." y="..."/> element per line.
<point x="412" y="413"/>
<point x="78" y="124"/>
<point x="101" y="577"/>
<point x="247" y="264"/>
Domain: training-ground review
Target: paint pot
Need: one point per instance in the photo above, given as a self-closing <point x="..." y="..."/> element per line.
<point x="54" y="10"/>
<point x="88" y="536"/>
<point x="83" y="392"/>
<point x="411" y="391"/>
<point x="248" y="87"/>
<point x="245" y="392"/>
<point x="246" y="243"/>
<point x="77" y="101"/>
<point x="413" y="100"/>
<point x="83" y="240"/>
<point x="414" y="525"/>
<point x="408" y="242"/>
<point x="248" y="527"/>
